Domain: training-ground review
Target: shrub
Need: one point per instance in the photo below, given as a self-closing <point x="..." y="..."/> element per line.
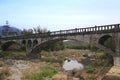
<point x="89" y="69"/>
<point x="2" y="54"/>
<point x="52" y="60"/>
<point x="104" y="56"/>
<point x="106" y="59"/>
<point x="110" y="43"/>
<point x="45" y="72"/>
<point x="48" y="71"/>
<point x="1" y="63"/>
<point x="93" y="48"/>
<point x="77" y="46"/>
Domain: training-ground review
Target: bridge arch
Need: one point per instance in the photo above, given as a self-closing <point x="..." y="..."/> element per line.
<point x="103" y="38"/>
<point x="29" y="43"/>
<point x="107" y="43"/>
<point x="23" y="42"/>
<point x="35" y="42"/>
<point x="6" y="45"/>
<point x="39" y="46"/>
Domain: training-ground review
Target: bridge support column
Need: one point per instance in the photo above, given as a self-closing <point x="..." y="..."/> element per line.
<point x="116" y="60"/>
<point x="117" y="52"/>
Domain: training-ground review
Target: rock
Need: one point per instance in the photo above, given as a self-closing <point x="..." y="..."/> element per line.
<point x="72" y="65"/>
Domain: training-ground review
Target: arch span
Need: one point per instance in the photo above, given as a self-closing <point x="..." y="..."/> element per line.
<point x="43" y="44"/>
<point x="23" y="42"/>
<point x="35" y="42"/>
<point x="103" y="39"/>
<point x="108" y="41"/>
<point x="47" y="43"/>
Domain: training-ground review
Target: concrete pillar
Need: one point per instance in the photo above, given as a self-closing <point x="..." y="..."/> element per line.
<point x="28" y="46"/>
<point x="116" y="60"/>
<point x="117" y="52"/>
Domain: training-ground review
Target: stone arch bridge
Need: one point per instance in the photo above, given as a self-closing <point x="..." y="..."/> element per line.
<point x="92" y="35"/>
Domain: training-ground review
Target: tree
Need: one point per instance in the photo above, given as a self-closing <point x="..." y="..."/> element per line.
<point x="39" y="30"/>
<point x="35" y="30"/>
<point x="27" y="32"/>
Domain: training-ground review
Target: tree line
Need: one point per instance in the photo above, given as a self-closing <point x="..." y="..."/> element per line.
<point x="34" y="30"/>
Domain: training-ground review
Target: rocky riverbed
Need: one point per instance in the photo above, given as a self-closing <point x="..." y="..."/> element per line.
<point x="21" y="68"/>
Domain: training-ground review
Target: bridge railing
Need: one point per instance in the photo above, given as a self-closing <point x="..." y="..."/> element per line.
<point x="88" y="30"/>
<point x="97" y="29"/>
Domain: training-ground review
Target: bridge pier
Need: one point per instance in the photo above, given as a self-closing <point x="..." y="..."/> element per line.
<point x="116" y="60"/>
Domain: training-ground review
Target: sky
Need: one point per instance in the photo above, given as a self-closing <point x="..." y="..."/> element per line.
<point x="59" y="14"/>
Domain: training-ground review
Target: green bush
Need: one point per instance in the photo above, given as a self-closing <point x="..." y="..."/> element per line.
<point x="48" y="71"/>
<point x="105" y="56"/>
<point x="77" y="46"/>
<point x="89" y="69"/>
<point x="2" y="54"/>
<point x="110" y="43"/>
<point x="33" y="76"/>
<point x="44" y="72"/>
<point x="93" y="48"/>
<point x="106" y="59"/>
<point x="1" y="63"/>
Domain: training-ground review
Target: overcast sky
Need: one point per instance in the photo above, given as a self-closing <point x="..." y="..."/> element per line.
<point x="59" y="14"/>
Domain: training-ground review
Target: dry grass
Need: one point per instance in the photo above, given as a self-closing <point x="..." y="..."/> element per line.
<point x="53" y="59"/>
<point x="66" y="53"/>
<point x="4" y="73"/>
<point x="2" y="63"/>
<point x="15" y="54"/>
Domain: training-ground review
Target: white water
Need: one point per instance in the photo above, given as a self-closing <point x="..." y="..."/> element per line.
<point x="72" y="65"/>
